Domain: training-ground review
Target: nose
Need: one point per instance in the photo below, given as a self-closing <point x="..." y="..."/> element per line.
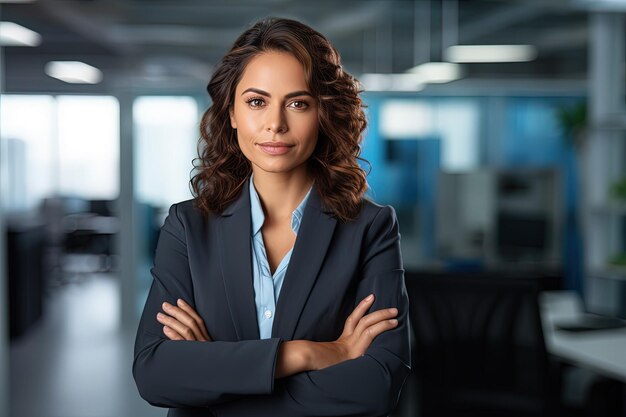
<point x="275" y="121"/>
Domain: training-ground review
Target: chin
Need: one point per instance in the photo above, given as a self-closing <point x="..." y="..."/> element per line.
<point x="279" y="167"/>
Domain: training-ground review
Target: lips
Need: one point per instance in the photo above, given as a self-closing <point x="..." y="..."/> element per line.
<point x="275" y="148"/>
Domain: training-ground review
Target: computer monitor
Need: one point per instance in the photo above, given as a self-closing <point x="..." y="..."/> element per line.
<point x="522" y="236"/>
<point x="605" y="294"/>
<point x="604" y="306"/>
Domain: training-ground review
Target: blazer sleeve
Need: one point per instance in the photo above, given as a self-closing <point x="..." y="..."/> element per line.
<point x="170" y="373"/>
<point x="366" y="386"/>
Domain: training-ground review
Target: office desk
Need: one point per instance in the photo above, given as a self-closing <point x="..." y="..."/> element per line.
<point x="603" y="351"/>
<point x="92" y="223"/>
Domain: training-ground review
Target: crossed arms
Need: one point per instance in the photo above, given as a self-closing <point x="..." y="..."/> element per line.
<point x="246" y="377"/>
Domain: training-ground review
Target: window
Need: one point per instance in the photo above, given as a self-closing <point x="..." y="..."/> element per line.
<point x="166" y="136"/>
<point x="88" y="146"/>
<point x="66" y="145"/>
<point x="28" y="129"/>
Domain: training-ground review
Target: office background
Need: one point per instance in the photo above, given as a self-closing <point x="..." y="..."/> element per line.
<point x="505" y="166"/>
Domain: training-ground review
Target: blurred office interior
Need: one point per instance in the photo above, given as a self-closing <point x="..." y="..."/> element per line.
<point x="496" y="129"/>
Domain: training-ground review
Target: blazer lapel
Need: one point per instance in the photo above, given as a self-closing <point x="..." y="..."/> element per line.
<point x="236" y="263"/>
<point x="314" y="236"/>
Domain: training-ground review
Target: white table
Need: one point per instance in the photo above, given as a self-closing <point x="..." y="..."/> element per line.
<point x="603" y="351"/>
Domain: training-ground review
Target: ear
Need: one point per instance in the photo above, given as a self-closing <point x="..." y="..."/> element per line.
<point x="233" y="122"/>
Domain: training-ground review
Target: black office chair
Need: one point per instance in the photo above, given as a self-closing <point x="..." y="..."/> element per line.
<point x="479" y="347"/>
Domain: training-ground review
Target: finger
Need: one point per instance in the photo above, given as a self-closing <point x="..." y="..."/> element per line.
<point x="186" y="307"/>
<point x="369" y="334"/>
<point x="172" y="334"/>
<point x="177" y="326"/>
<point x="375" y="317"/>
<point x="182" y="323"/>
<point x="183" y="317"/>
<point x="357" y="313"/>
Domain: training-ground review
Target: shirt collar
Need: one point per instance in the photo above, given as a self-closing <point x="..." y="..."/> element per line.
<point x="258" y="217"/>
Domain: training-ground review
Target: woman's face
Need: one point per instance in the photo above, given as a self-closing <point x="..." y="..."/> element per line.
<point x="275" y="114"/>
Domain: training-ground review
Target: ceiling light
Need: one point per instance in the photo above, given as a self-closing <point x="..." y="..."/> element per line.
<point x="12" y="34"/>
<point x="490" y="53"/>
<point x="437" y="72"/>
<point x="74" y="72"/>
<point x="391" y="82"/>
<point x="601" y="5"/>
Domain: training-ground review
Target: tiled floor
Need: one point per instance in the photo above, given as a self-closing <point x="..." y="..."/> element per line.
<point x="76" y="361"/>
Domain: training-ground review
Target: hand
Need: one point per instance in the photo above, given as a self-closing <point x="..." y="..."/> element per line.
<point x="358" y="334"/>
<point x="182" y="323"/>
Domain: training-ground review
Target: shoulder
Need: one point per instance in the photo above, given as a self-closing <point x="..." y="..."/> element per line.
<point x="381" y="236"/>
<point x="184" y="215"/>
<point x="373" y="213"/>
<point x="374" y="220"/>
<point x="186" y="207"/>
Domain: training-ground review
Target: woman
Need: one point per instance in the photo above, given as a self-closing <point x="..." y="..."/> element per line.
<point x="259" y="304"/>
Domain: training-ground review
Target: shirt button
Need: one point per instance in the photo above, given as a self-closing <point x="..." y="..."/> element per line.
<point x="268" y="314"/>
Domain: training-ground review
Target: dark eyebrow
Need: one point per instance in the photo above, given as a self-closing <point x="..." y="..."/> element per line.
<point x="266" y="94"/>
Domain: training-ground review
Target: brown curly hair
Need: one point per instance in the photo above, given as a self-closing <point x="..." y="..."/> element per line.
<point x="223" y="169"/>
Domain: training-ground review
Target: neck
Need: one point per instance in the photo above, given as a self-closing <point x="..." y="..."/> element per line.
<point x="280" y="193"/>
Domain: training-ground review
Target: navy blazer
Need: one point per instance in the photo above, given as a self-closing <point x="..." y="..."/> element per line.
<point x="206" y="260"/>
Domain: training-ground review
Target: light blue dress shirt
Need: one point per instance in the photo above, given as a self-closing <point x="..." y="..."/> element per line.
<point x="267" y="287"/>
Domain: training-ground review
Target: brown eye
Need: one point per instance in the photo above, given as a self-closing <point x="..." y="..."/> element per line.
<point x="300" y="105"/>
<point x="255" y="102"/>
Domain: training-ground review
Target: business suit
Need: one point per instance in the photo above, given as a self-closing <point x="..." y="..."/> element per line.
<point x="334" y="265"/>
